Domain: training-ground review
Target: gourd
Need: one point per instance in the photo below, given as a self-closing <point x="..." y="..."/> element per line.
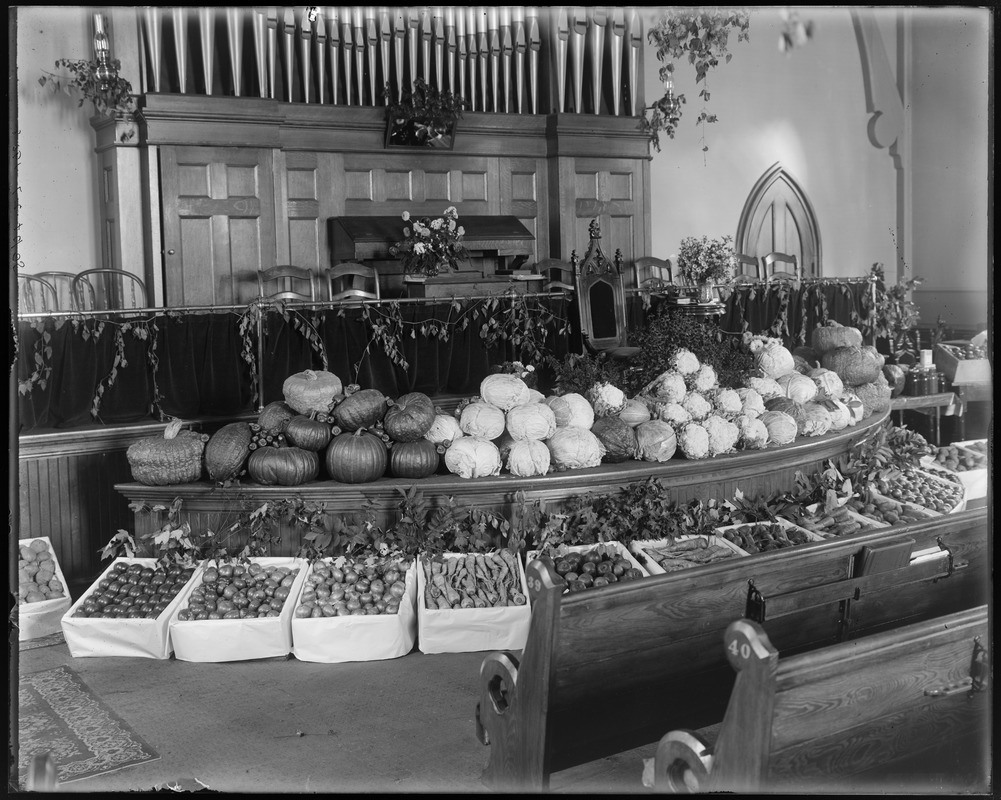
<point x="618" y="438"/>
<point x="832" y="335"/>
<point x="307" y="433"/>
<point x="875" y="396"/>
<point x="312" y="392"/>
<point x="409" y="417"/>
<point x="414" y="460"/>
<point x="176" y="457"/>
<point x="357" y="457"/>
<point x="283" y="466"/>
<point x="781" y="427"/>
<point x="275" y="416"/>
<point x="504" y="390"/>
<point x="528" y="457"/>
<point x="227" y="450"/>
<point x="362" y="409"/>
<point x="634" y="412"/>
<point x="854" y="365"/>
<point x="878" y="356"/>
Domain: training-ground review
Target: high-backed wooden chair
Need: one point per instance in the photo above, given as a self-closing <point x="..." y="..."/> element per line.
<point x="748" y="269"/>
<point x="63" y="283"/>
<point x="107" y="288"/>
<point x="349" y="279"/>
<point x="653" y="274"/>
<point x="787" y="269"/>
<point x="601" y="299"/>
<point x="557" y="275"/>
<point x="36" y="295"/>
<point x="286" y="282"/>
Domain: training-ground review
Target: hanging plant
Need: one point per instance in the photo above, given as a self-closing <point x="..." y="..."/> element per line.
<point x="424" y="116"/>
<point x="111" y="96"/>
<point x="700" y="35"/>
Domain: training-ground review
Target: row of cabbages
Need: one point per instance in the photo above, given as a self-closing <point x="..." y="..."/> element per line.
<point x="683" y="410"/>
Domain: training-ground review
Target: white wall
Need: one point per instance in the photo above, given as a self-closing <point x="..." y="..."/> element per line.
<point x="57" y="168"/>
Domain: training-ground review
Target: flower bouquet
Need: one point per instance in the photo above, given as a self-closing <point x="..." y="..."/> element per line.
<point x="706" y="262"/>
<point x="431" y="245"/>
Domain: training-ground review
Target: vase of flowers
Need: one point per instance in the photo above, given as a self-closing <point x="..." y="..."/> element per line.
<point x="430" y="245"/>
<point x="424" y="116"/>
<point x="705" y="263"/>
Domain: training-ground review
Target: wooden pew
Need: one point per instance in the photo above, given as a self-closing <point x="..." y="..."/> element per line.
<point x="605" y="671"/>
<point x="839" y="717"/>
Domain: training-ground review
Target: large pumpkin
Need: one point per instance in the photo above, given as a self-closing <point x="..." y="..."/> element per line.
<point x="283" y="466"/>
<point x="358" y="457"/>
<point x="409" y="417"/>
<point x="310" y="391"/>
<point x="363" y="409"/>
<point x="416" y="459"/>
<point x="274" y="417"/>
<point x="307" y="433"/>
<point x="227" y="451"/>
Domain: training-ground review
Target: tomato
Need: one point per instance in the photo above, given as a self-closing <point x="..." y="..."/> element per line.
<point x="225" y="606"/>
<point x="281" y="594"/>
<point x="350" y="576"/>
<point x="184" y="615"/>
<point x="225" y="570"/>
<point x="397" y="590"/>
<point x="211" y="575"/>
<point x="391" y="576"/>
<point x="305" y="611"/>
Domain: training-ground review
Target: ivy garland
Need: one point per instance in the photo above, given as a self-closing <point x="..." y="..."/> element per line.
<point x="42" y="359"/>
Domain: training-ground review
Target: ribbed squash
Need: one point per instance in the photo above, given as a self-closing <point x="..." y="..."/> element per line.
<point x="855" y="365"/>
<point x="409" y="417"/>
<point x="831" y="335"/>
<point x="358" y="457"/>
<point x="274" y="417"/>
<point x="227" y="450"/>
<point x="283" y="466"/>
<point x="307" y="433"/>
<point x="363" y="409"/>
<point x="415" y="460"/>
<point x="311" y="391"/>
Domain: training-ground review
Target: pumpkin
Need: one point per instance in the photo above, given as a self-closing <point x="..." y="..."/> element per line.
<point x="808" y="354"/>
<point x="896" y="378"/>
<point x="176" y="457"/>
<point x="854" y="365"/>
<point x="875" y="396"/>
<point x="311" y="392"/>
<point x="504" y="390"/>
<point x="362" y="409"/>
<point x="832" y="335"/>
<point x="781" y="427"/>
<point x="227" y="451"/>
<point x="274" y="417"/>
<point x="528" y="457"/>
<point x="357" y="457"/>
<point x="283" y="466"/>
<point x="307" y="433"/>
<point x="409" y="417"/>
<point x="634" y="412"/>
<point x="878" y="356"/>
<point x="414" y="460"/>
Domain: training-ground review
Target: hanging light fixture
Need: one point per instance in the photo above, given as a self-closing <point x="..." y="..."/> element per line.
<point x="669" y="105"/>
<point x="105" y="72"/>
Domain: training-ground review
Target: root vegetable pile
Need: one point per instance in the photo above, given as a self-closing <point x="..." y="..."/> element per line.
<point x="689" y="553"/>
<point x="831" y="523"/>
<point x="595" y="568"/>
<point x="134" y="591"/>
<point x="240" y="591"/>
<point x="36" y="574"/>
<point x="760" y="537"/>
<point x="887" y="510"/>
<point x="481" y="580"/>
<point x="353" y="587"/>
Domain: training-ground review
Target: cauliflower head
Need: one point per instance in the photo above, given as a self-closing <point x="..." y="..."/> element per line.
<point x="723" y="435"/>
<point x="668" y="386"/>
<point x="685" y="362"/>
<point x="674" y="414"/>
<point x="693" y="440"/>
<point x="696" y="405"/>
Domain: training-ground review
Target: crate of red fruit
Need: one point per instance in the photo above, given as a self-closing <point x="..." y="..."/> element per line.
<point x="659" y="556"/>
<point x="468" y="602"/>
<point x="127" y="611"/>
<point x="923" y="489"/>
<point x="356" y="609"/>
<point x="593" y="566"/>
<point x="42" y="597"/>
<point x="238" y="610"/>
<point x="763" y="537"/>
<point x="887" y="511"/>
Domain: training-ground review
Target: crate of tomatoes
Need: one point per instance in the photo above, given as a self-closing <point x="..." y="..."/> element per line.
<point x="42" y="596"/>
<point x="356" y="609"/>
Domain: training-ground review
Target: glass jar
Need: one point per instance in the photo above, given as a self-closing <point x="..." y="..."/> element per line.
<point x="933" y="381"/>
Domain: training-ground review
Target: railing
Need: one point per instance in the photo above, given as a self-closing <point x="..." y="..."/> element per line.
<point x="511" y="59"/>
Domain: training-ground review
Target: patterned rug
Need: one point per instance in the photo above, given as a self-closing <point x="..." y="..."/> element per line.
<point x="59" y="714"/>
<point x="43" y="641"/>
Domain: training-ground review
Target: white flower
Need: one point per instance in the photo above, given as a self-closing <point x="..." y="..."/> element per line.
<point x="406" y="216"/>
<point x="420" y="247"/>
<point x="406" y="233"/>
<point x="462" y="231"/>
<point x="436" y="224"/>
<point x="451" y="212"/>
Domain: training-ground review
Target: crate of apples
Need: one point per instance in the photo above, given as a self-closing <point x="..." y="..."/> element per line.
<point x="591" y="566"/>
<point x="127" y="610"/>
<point x="923" y="489"/>
<point x="238" y="610"/>
<point x="42" y="596"/>
<point x="356" y="609"/>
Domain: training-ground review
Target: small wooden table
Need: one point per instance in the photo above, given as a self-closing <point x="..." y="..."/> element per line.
<point x="936" y="402"/>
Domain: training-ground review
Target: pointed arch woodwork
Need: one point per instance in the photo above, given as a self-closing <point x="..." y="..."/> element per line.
<point x="778" y="217"/>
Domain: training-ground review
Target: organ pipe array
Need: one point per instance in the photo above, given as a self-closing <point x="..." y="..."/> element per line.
<point x="515" y="59"/>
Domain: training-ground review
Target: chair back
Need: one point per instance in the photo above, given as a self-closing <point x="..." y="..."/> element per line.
<point x="350" y="279"/>
<point x="36" y="295"/>
<point x="653" y="274"/>
<point x="748" y="269"/>
<point x="781" y="267"/>
<point x="557" y="275"/>
<point x="600" y="296"/>
<point x="107" y="288"/>
<point x="63" y="283"/>
<point x="286" y="282"/>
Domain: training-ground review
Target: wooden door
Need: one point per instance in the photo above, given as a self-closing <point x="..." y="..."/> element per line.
<point x="218" y="223"/>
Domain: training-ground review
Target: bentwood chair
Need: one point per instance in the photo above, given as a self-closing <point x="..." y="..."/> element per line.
<point x="653" y="274"/>
<point x="36" y="295"/>
<point x="63" y="283"/>
<point x="748" y="269"/>
<point x="350" y="279"/>
<point x="286" y="282"/>
<point x="107" y="288"/>
<point x="557" y="275"/>
<point x="788" y="269"/>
